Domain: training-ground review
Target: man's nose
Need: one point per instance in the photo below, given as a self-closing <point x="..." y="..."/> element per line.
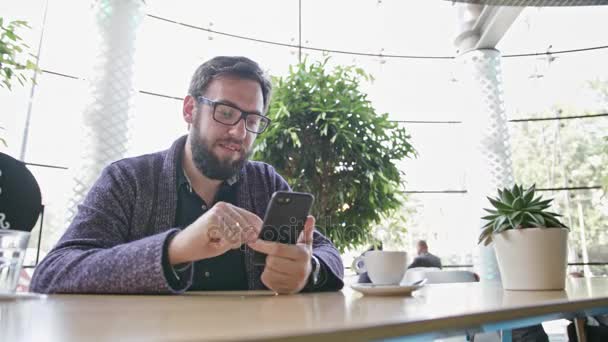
<point x="238" y="130"/>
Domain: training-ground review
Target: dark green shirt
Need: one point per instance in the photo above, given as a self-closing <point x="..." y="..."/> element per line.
<point x="224" y="272"/>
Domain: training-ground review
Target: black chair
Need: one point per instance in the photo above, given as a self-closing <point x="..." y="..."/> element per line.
<point x="20" y="198"/>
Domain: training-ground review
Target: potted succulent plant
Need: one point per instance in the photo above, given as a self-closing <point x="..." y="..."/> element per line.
<point x="531" y="243"/>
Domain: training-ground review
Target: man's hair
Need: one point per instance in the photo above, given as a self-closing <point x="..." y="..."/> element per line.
<point x="236" y="66"/>
<point x="422" y="244"/>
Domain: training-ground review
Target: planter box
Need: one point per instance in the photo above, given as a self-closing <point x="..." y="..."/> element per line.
<point x="532" y="258"/>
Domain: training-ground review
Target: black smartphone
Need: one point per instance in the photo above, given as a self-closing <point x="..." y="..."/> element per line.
<point x="284" y="219"/>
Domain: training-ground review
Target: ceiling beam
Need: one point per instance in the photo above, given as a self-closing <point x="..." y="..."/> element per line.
<point x="495" y="23"/>
<point x="483" y="26"/>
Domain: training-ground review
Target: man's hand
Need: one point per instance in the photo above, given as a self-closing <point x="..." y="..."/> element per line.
<point x="220" y="229"/>
<point x="287" y="266"/>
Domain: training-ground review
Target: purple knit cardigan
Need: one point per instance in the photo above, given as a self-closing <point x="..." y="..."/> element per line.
<point x="115" y="242"/>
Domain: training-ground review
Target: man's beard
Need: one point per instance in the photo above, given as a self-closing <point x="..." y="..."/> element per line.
<point x="208" y="163"/>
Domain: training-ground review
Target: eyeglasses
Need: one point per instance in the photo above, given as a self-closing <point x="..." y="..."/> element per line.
<point x="230" y="116"/>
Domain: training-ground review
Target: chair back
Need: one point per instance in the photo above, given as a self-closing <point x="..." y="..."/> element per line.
<point x="437" y="276"/>
<point x="20" y="198"/>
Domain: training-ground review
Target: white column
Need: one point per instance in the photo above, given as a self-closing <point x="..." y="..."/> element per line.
<point x="488" y="154"/>
<point x="106" y="119"/>
<point x="489" y="164"/>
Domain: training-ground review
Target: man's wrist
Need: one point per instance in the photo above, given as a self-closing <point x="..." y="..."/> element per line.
<point x="178" y="276"/>
<point x="314" y="276"/>
<point x="175" y="251"/>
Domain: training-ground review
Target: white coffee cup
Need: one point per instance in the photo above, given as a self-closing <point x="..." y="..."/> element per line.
<point x="382" y="267"/>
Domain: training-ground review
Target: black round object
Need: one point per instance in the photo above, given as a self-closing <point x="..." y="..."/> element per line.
<point x="20" y="199"/>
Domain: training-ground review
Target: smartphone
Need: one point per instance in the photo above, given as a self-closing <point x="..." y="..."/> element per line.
<point x="284" y="219"/>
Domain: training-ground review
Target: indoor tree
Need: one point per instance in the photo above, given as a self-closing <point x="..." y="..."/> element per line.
<point x="326" y="138"/>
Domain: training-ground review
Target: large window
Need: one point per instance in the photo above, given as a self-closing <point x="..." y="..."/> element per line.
<point x="565" y="151"/>
<point x="562" y="156"/>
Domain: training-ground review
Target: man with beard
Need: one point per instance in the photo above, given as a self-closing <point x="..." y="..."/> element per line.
<point x="188" y="218"/>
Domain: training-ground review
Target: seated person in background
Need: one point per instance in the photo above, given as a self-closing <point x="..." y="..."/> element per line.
<point x="188" y="218"/>
<point x="424" y="258"/>
<point x="363" y="277"/>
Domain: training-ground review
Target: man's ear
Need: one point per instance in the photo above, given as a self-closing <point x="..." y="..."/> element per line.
<point x="188" y="109"/>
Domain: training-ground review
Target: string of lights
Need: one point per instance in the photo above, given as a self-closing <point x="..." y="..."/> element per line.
<point x="177" y="98"/>
<point x="462" y="192"/>
<point x="355" y="53"/>
<point x="560" y="52"/>
<point x="423" y="192"/>
<point x="560" y="118"/>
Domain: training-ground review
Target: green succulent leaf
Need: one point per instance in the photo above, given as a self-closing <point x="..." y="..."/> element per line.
<point x="499" y="205"/>
<point x="539" y="218"/>
<point x="518" y="204"/>
<point x="506" y="196"/>
<point x="485" y="236"/>
<point x="529" y="194"/>
<point x="516" y="214"/>
<point x="545" y="203"/>
<point x="499" y="222"/>
<point x="515" y="191"/>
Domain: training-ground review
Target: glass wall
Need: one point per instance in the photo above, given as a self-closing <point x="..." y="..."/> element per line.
<point x="562" y="156"/>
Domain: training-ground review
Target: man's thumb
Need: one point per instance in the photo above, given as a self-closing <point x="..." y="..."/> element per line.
<point x="307" y="234"/>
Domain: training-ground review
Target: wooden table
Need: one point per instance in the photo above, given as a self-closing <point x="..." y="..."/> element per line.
<point x="435" y="311"/>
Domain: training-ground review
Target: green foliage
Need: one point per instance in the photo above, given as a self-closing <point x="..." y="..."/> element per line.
<point x="570" y="153"/>
<point x="605" y="177"/>
<point x="327" y="139"/>
<point x="11" y="46"/>
<point x="517" y="209"/>
<point x="602" y="89"/>
<point x="606" y="154"/>
<point x="11" y="66"/>
<point x="391" y="231"/>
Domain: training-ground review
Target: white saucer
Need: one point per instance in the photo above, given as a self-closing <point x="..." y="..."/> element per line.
<point x="386" y="290"/>
<point x="21" y="295"/>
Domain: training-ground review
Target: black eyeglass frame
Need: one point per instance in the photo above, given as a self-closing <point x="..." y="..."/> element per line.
<point x="244" y="115"/>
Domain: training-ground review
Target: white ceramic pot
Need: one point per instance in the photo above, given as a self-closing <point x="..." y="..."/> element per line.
<point x="532" y="258"/>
